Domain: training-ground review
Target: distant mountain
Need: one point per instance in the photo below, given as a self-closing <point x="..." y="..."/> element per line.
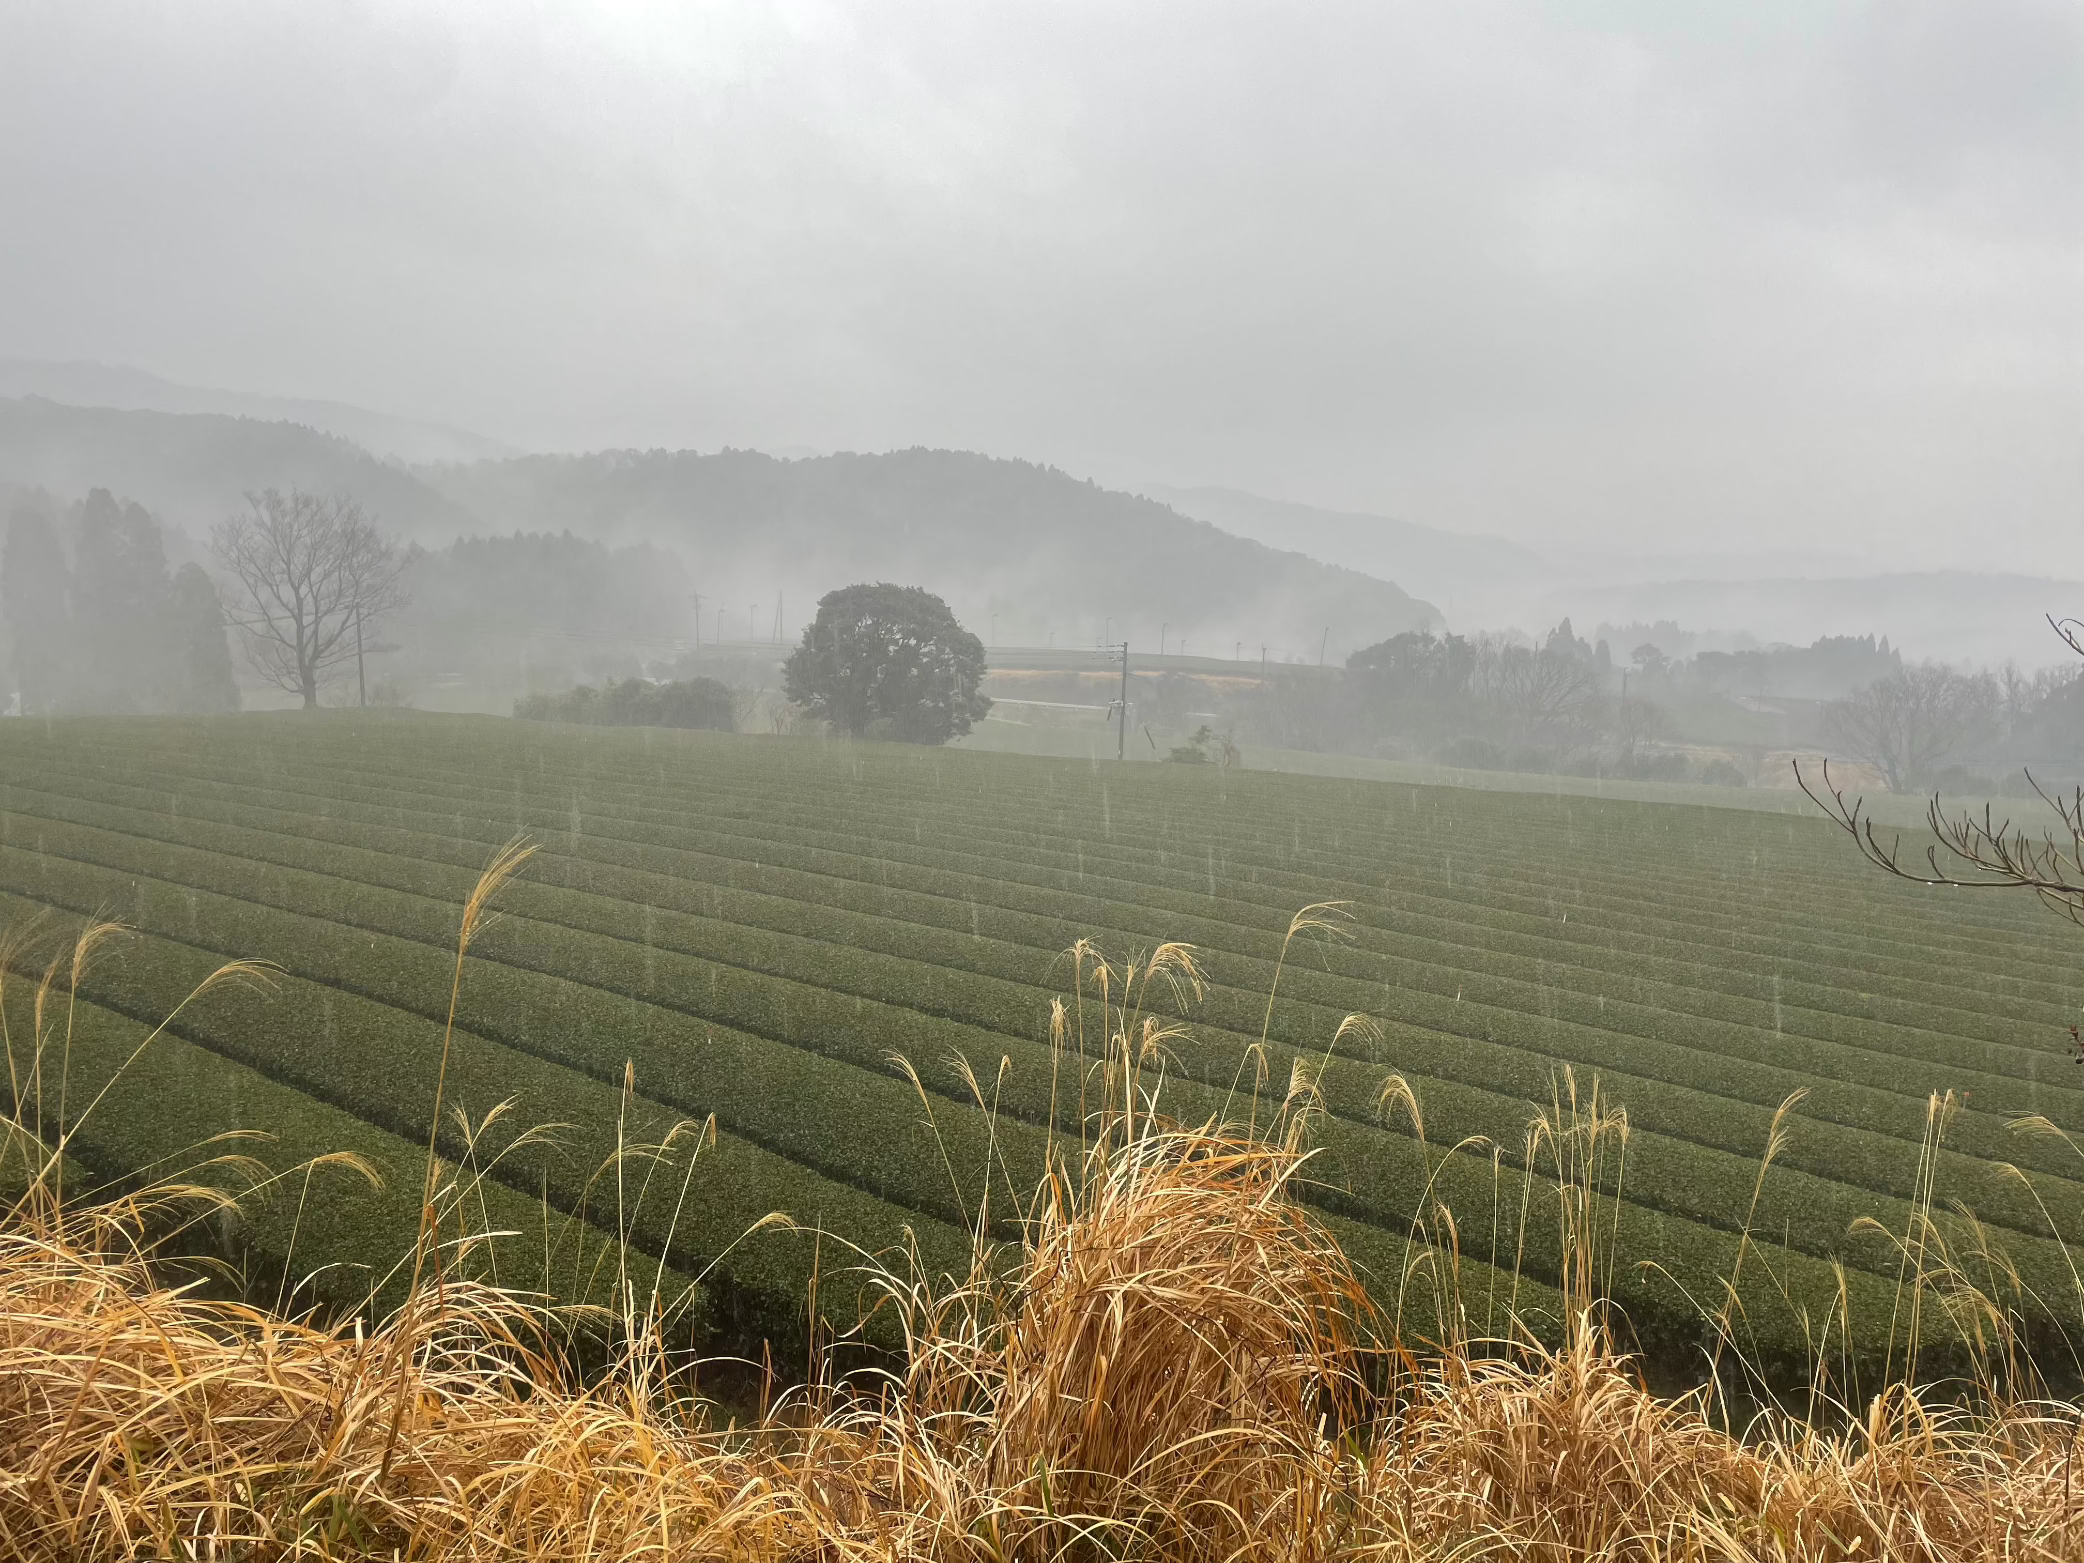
<point x="1024" y="553"/>
<point x="1428" y="560"/>
<point x="1047" y="554"/>
<point x="190" y="469"/>
<point x="134" y="390"/>
<point x="1944" y="615"/>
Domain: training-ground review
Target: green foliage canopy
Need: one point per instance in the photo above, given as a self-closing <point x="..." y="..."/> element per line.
<point x="887" y="661"/>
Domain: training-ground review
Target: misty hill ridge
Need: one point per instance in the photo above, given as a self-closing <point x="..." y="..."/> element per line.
<point x="1047" y="552"/>
<point x="383" y="434"/>
<point x="1958" y="616"/>
<point x="1051" y="556"/>
<point x="191" y="469"/>
<point x="1428" y="560"/>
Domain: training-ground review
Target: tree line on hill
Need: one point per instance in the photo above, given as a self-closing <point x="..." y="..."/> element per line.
<point x="1566" y="704"/>
<point x="528" y="611"/>
<point x="98" y="623"/>
<point x="1483" y="701"/>
<point x="303" y="588"/>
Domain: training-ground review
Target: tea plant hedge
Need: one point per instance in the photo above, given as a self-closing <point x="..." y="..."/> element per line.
<point x="825" y="948"/>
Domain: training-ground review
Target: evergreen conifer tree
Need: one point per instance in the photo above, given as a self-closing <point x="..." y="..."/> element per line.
<point x="36" y="591"/>
<point x="203" y="651"/>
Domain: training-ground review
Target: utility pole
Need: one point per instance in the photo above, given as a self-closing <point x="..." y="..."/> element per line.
<point x="1323" y="644"/>
<point x="698" y="621"/>
<point x="1121" y="737"/>
<point x="361" y="683"/>
<point x="1162" y="628"/>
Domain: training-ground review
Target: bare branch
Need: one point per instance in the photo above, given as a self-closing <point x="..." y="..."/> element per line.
<point x="303" y="574"/>
<point x="1983" y="854"/>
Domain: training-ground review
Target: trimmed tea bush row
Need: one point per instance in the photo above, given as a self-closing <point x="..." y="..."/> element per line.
<point x="806" y="908"/>
<point x="779" y="1094"/>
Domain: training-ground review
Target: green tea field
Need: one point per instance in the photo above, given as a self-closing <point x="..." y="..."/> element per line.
<point x="763" y="929"/>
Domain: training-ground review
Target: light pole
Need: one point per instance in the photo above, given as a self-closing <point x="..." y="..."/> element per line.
<point x="1121" y="737"/>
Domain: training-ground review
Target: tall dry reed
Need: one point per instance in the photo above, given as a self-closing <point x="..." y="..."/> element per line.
<point x="1175" y="1361"/>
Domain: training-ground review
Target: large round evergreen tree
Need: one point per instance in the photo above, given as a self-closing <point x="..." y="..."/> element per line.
<point x="883" y="661"/>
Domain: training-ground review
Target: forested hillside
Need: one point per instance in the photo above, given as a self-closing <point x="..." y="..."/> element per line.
<point x="1048" y="554"/>
<point x="1024" y="553"/>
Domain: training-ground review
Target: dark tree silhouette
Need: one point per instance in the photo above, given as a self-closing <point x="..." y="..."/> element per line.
<point x="888" y="661"/>
<point x="36" y="588"/>
<point x="120" y="603"/>
<point x="308" y="577"/>
<point x="1905" y="723"/>
<point x="202" y="653"/>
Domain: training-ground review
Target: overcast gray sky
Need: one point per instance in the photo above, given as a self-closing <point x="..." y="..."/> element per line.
<point x="1651" y="274"/>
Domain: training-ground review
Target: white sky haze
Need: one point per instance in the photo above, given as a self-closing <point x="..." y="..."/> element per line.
<point x="1663" y="275"/>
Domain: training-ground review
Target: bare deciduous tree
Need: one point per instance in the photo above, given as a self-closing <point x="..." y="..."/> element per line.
<point x="306" y="577"/>
<point x="1906" y="723"/>
<point x="1543" y="694"/>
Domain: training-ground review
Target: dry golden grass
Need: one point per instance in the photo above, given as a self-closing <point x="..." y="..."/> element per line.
<point x="1177" y="1362"/>
<point x="1175" y="1370"/>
